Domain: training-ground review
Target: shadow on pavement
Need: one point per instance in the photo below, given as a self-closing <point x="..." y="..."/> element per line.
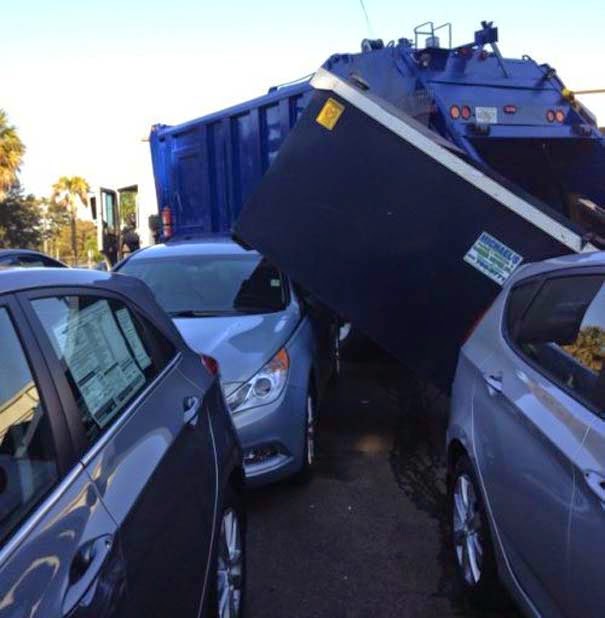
<point x="369" y="535"/>
<point x="419" y="466"/>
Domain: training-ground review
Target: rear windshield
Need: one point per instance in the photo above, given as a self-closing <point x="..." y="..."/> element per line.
<point x="206" y="285"/>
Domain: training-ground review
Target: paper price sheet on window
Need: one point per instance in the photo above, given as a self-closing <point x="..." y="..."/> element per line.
<point x="134" y="340"/>
<point x="103" y="367"/>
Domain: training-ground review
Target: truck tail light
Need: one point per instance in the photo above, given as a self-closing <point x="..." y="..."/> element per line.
<point x="550" y="115"/>
<point x="455" y="112"/>
<point x="166" y="222"/>
<point x="466" y="112"/>
<point x="560" y="115"/>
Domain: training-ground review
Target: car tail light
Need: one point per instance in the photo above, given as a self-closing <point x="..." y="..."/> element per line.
<point x="560" y="115"/>
<point x="166" y="222"/>
<point x="455" y="112"/>
<point x="211" y="364"/>
<point x="550" y="115"/>
<point x="466" y="112"/>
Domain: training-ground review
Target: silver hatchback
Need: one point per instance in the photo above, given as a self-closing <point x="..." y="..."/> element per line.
<point x="526" y="442"/>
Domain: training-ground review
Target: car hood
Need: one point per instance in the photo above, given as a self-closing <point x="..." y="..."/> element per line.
<point x="241" y="344"/>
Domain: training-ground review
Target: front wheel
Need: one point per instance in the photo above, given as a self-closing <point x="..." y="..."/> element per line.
<point x="473" y="547"/>
<point x="228" y="583"/>
<point x="306" y="471"/>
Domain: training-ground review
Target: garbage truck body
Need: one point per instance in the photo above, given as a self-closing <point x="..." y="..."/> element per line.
<point x="415" y="181"/>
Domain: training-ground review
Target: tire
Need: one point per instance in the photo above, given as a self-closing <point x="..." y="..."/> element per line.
<point x="337" y="371"/>
<point x="227" y="569"/>
<point x="473" y="548"/>
<point x="305" y="474"/>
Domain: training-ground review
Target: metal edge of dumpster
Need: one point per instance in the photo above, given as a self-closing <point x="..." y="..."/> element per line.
<point x="378" y="220"/>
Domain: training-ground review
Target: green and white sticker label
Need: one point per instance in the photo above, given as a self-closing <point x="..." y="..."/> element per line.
<point x="493" y="258"/>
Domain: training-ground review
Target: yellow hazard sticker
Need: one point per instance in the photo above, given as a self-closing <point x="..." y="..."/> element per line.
<point x="330" y="113"/>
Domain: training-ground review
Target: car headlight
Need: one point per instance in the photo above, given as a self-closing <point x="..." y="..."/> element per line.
<point x="263" y="388"/>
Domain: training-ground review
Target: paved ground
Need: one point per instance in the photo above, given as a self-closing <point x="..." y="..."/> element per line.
<point x="368" y="536"/>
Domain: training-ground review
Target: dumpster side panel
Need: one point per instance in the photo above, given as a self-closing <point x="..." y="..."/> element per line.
<point x="378" y="231"/>
<point x="207" y="168"/>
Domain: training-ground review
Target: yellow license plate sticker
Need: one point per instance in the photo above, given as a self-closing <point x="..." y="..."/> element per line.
<point x="330" y="113"/>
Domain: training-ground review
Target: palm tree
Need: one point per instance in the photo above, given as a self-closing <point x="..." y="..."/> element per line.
<point x="67" y="192"/>
<point x="11" y="154"/>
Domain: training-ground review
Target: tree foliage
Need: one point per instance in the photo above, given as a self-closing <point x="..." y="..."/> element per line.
<point x="86" y="238"/>
<point x="56" y="217"/>
<point x="20" y="220"/>
<point x="128" y="209"/>
<point x="11" y="154"/>
<point x="67" y="192"/>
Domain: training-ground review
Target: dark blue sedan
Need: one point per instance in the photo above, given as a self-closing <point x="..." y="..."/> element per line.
<point x="120" y="472"/>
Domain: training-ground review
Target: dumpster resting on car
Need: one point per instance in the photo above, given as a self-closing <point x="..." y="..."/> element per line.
<point x="394" y="227"/>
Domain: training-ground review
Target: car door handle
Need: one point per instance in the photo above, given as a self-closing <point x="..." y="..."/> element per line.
<point x="596" y="482"/>
<point x="84" y="570"/>
<point x="191" y="409"/>
<point x="494" y="382"/>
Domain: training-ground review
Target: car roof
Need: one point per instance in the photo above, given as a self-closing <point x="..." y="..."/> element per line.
<point x="19" y="279"/>
<point x="5" y="252"/>
<point x="575" y="260"/>
<point x="29" y="252"/>
<point x="195" y="245"/>
<point x="132" y="289"/>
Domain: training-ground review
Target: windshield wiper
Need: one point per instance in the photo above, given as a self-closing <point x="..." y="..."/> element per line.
<point x="192" y="313"/>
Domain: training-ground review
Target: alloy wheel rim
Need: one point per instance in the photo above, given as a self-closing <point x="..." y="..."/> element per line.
<point x="310" y="431"/>
<point x="230" y="567"/>
<point x="467" y="530"/>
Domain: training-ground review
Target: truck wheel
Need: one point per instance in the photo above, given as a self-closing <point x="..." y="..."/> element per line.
<point x="473" y="547"/>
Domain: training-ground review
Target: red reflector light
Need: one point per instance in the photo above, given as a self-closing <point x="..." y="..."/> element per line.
<point x="560" y="115"/>
<point x="466" y="112"/>
<point x="455" y="112"/>
<point x="211" y="364"/>
<point x="167" y="222"/>
<point x="510" y="109"/>
<point x="550" y="115"/>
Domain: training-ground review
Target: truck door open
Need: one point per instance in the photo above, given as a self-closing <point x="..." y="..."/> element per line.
<point x="106" y="205"/>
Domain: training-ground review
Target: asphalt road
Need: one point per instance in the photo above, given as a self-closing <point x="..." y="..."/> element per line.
<point x="368" y="536"/>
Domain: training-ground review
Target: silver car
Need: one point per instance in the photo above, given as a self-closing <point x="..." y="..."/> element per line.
<point x="273" y="349"/>
<point x="526" y="442"/>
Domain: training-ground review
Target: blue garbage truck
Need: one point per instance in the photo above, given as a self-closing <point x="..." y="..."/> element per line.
<point x="401" y="185"/>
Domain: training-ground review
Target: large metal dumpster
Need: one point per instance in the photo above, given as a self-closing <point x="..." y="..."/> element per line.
<point x="394" y="227"/>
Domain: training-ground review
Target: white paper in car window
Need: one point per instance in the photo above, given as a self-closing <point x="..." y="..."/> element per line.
<point x="134" y="340"/>
<point x="99" y="360"/>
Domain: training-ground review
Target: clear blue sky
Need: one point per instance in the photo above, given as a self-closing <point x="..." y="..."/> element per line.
<point x="83" y="80"/>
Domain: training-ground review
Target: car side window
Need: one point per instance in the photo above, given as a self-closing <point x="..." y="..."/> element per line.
<point x="561" y="329"/>
<point x="28" y="466"/>
<point x="108" y="353"/>
<point x="7" y="262"/>
<point x="30" y="261"/>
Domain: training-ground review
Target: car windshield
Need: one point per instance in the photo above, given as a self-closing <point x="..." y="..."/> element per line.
<point x="208" y="285"/>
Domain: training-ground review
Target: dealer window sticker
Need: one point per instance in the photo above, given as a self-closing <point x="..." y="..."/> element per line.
<point x="103" y="367"/>
<point x="131" y="334"/>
